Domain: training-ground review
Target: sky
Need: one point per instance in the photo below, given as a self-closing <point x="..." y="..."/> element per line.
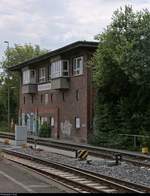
<point x="56" y="23"/>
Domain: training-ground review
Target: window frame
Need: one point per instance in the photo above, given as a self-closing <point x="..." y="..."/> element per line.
<point x="79" y="121"/>
<point x="42" y="75"/>
<point x="27" y="79"/>
<point x="46" y="98"/>
<point x="77" y="69"/>
<point x="52" y="120"/>
<point x="57" y="69"/>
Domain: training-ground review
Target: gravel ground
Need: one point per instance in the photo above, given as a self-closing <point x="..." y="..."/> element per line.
<point x="124" y="171"/>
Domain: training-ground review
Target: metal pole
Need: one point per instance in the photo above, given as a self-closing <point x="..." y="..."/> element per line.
<point x="8" y="109"/>
<point x="135" y="141"/>
<point x="7" y="42"/>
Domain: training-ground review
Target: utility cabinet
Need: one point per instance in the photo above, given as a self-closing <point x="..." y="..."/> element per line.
<point x="20" y="135"/>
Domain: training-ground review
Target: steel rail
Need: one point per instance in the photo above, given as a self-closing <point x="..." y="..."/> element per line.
<point x="85" y="180"/>
<point x="94" y="151"/>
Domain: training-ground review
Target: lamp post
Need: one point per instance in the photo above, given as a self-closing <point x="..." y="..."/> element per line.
<point x="8" y="92"/>
<point x="8" y="105"/>
<point x="7" y="42"/>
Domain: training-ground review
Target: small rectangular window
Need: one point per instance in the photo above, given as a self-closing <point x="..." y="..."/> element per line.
<point x="65" y="68"/>
<point x="32" y="76"/>
<point x="51" y="98"/>
<point x="42" y="74"/>
<point x="41" y="99"/>
<point x="44" y="120"/>
<point x="26" y="77"/>
<point x="29" y="76"/>
<point x="78" y="66"/>
<point x="77" y="122"/>
<point x="49" y="73"/>
<point x="32" y="99"/>
<point x="63" y="96"/>
<point x="46" y="98"/>
<point x="52" y="122"/>
<point x="24" y="99"/>
<point x="77" y="95"/>
<point x="56" y="69"/>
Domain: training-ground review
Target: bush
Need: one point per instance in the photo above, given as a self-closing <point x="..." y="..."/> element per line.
<point x="3" y="126"/>
<point x="45" y="130"/>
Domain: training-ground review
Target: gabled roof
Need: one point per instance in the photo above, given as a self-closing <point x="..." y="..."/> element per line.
<point x="86" y="44"/>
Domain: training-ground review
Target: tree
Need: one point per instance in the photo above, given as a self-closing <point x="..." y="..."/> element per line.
<point x="13" y="56"/>
<point x="121" y="73"/>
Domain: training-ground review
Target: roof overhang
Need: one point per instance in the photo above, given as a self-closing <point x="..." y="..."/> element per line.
<point x="86" y="44"/>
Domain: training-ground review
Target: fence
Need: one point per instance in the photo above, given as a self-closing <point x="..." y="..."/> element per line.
<point x="135" y="138"/>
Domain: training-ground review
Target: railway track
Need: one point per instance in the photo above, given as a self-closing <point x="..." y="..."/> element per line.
<point x="78" y="179"/>
<point x="135" y="159"/>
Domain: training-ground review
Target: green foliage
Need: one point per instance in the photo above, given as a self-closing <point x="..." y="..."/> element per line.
<point x="11" y="81"/>
<point x="3" y="126"/>
<point x="45" y="130"/>
<point x="121" y="76"/>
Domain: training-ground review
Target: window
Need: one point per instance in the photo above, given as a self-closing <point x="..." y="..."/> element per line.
<point x="42" y="74"/>
<point x="52" y="122"/>
<point x="49" y="73"/>
<point x="77" y="122"/>
<point x="60" y="68"/>
<point x="77" y="95"/>
<point x="32" y="98"/>
<point x="26" y="77"/>
<point x="24" y="99"/>
<point x="32" y="76"/>
<point x="43" y="120"/>
<point x="41" y="98"/>
<point x="63" y="96"/>
<point x="56" y="69"/>
<point x="65" y="68"/>
<point x="29" y="76"/>
<point x="52" y="98"/>
<point x="46" y="98"/>
<point x="77" y="66"/>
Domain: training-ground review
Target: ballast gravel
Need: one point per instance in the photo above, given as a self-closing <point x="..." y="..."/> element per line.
<point x="124" y="171"/>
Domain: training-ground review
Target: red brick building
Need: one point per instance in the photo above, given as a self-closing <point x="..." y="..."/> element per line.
<point x="56" y="87"/>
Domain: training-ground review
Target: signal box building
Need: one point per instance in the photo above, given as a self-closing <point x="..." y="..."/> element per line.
<point x="56" y="88"/>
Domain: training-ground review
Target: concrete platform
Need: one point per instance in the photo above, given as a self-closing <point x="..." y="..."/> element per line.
<point x="16" y="179"/>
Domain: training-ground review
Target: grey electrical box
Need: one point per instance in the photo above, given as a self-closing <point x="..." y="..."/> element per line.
<point x="20" y="135"/>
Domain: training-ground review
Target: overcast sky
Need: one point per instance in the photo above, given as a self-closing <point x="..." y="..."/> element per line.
<point x="55" y="23"/>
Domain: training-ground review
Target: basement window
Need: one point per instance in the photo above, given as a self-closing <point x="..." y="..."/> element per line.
<point x="52" y="122"/>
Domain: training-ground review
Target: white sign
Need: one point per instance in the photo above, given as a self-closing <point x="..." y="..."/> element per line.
<point x="77" y="123"/>
<point x="44" y="87"/>
<point x="52" y="121"/>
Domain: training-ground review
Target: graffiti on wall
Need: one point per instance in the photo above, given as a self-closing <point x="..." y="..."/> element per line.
<point x="66" y="128"/>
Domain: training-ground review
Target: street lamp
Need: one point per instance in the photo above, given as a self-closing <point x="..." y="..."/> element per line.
<point x="8" y="103"/>
<point x="12" y="87"/>
<point x="7" y="42"/>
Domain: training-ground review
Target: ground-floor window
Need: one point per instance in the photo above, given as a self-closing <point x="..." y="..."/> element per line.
<point x="77" y="122"/>
<point x="52" y="122"/>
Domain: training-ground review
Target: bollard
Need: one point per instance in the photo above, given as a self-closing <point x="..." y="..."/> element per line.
<point x="82" y="154"/>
